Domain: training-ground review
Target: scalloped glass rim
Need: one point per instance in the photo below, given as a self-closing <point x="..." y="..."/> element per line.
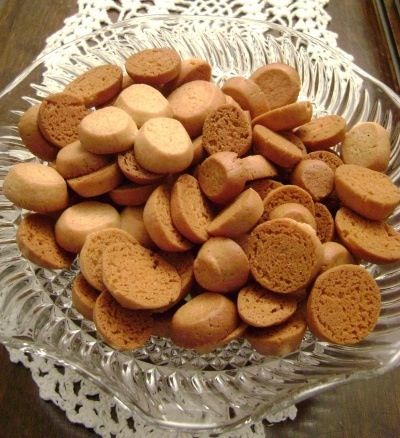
<point x="280" y="377"/>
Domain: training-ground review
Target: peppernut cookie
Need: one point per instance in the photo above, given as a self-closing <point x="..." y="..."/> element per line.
<point x="31" y="136"/>
<point x="284" y="255"/>
<point x="344" y="305"/>
<point x="121" y="328"/>
<point x="133" y="171"/>
<point x="132" y="194"/>
<point x="290" y="136"/>
<point x="238" y="217"/>
<point x="221" y="265"/>
<point x="36" y="187"/>
<point x="108" y="130"/>
<point x="97" y="85"/>
<point x="59" y="118"/>
<point x="325" y="223"/>
<point x="294" y="211"/>
<point x="335" y="254"/>
<point x="83" y="296"/>
<point x="139" y="278"/>
<point x="259" y="307"/>
<point x="190" y="211"/>
<point x="198" y="151"/>
<point x="37" y="243"/>
<point x="369" y="193"/>
<point x="257" y="167"/>
<point x="132" y="223"/>
<point x="329" y="158"/>
<point x="264" y="186"/>
<point x="227" y="129"/>
<point x="192" y="69"/>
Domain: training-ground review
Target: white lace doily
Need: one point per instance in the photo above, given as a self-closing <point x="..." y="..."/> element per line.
<point x="82" y="401"/>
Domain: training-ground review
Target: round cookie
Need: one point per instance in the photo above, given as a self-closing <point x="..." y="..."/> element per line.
<point x="122" y="329"/>
<point x="59" y="118"/>
<point x="204" y="320"/>
<point x="222" y="177"/>
<point x="97" y="85"/>
<point x="373" y="241"/>
<point x="275" y="148"/>
<point x="344" y="305"/>
<point x="264" y="186"/>
<point x="36" y="187"/>
<point x="294" y="211"/>
<point x="335" y="254"/>
<point x="325" y="223"/>
<point x="73" y="161"/>
<point x="329" y="158"/>
<point x="369" y="193"/>
<point x="257" y="167"/>
<point x="143" y="103"/>
<point x="191" y="70"/>
<point x="108" y="130"/>
<point x="78" y="221"/>
<point x="190" y="211"/>
<point x="158" y="222"/>
<point x="192" y="102"/>
<point x="295" y="140"/>
<point x="314" y="176"/>
<point x="260" y="308"/>
<point x="227" y="129"/>
<point x="238" y="217"/>
<point x="139" y="278"/>
<point x="221" y="265"/>
<point x="198" y="151"/>
<point x="132" y="223"/>
<point x="83" y="296"/>
<point x="90" y="257"/>
<point x="367" y="144"/>
<point x="279" y="82"/>
<point x="284" y="255"/>
<point x="247" y="94"/>
<point x="286" y="117"/>
<point x="97" y="183"/>
<point x="37" y="243"/>
<point x="132" y="194"/>
<point x="323" y="132"/>
<point x="285" y="194"/>
<point x="163" y="146"/>
<point x="153" y="66"/>
<point x="133" y="171"/>
<point x="31" y="136"/>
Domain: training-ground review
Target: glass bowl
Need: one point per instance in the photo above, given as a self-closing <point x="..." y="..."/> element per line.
<point x="169" y="386"/>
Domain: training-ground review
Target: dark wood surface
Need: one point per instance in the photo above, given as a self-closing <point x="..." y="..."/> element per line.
<point x="362" y="409"/>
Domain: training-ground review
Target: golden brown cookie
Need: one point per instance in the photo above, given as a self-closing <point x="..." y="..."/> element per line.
<point x="259" y="307"/>
<point x="278" y="340"/>
<point x="132" y="223"/>
<point x="35" y="187"/>
<point x="373" y="241"/>
<point x="158" y="222"/>
<point x="367" y="144"/>
<point x="285" y="194"/>
<point x="132" y="194"/>
<point x="238" y="217"/>
<point x="344" y="305"/>
<point x="227" y="129"/>
<point x="275" y="147"/>
<point x="257" y="167"/>
<point x="198" y="151"/>
<point x="295" y="140"/>
<point x="134" y="172"/>
<point x="325" y="223"/>
<point x="97" y="183"/>
<point x="37" y="243"/>
<point x="191" y="70"/>
<point x="294" y="211"/>
<point x="90" y="257"/>
<point x="83" y="296"/>
<point x="221" y="265"/>
<point x="139" y="278"/>
<point x="323" y="132"/>
<point x="31" y="136"/>
<point x="368" y="192"/>
<point x="97" y="85"/>
<point x="204" y="320"/>
<point x="222" y="177"/>
<point x="329" y="158"/>
<point x="191" y="213"/>
<point x="335" y="254"/>
<point x="284" y="255"/>
<point x="247" y="94"/>
<point x="314" y="176"/>
<point x="279" y="82"/>
<point x="264" y="186"/>
<point x="285" y="117"/>
<point x="122" y="329"/>
<point x="154" y="66"/>
<point x="59" y="118"/>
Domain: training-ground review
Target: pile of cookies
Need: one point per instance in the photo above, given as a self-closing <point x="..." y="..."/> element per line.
<point x="203" y="213"/>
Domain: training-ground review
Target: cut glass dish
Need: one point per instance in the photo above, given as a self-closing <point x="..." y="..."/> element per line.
<point x="169" y="386"/>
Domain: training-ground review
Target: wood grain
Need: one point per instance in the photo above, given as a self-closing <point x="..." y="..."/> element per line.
<point x="362" y="409"/>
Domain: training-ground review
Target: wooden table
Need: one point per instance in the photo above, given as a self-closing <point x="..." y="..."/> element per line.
<point x="363" y="409"/>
